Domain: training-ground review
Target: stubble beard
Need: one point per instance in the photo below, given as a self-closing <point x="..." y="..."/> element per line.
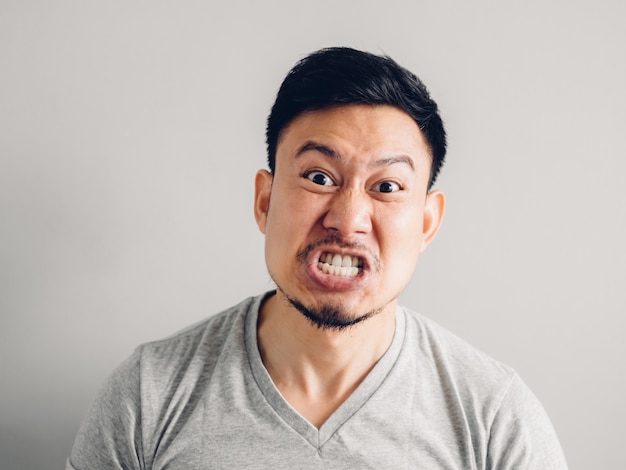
<point x="329" y="316"/>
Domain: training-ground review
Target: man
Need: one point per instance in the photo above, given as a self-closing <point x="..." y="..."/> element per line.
<point x="328" y="371"/>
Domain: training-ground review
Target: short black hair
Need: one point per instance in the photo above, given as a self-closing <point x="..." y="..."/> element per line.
<point x="339" y="76"/>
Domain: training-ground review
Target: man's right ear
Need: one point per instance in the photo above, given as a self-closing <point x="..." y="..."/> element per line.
<point x="262" y="193"/>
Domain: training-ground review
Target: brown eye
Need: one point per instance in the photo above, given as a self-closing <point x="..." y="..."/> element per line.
<point x="386" y="187"/>
<point x="320" y="178"/>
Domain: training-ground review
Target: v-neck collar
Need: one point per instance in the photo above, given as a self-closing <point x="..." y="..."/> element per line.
<point x="318" y="437"/>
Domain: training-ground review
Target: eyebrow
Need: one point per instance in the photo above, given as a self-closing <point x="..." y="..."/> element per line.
<point x="333" y="155"/>
<point x="321" y="148"/>
<point x="395" y="159"/>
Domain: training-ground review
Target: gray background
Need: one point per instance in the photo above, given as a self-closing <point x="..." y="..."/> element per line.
<point x="130" y="132"/>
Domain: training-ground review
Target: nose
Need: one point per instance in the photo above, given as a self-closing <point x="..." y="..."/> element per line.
<point x="349" y="212"/>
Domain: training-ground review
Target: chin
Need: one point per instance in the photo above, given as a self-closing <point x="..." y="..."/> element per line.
<point x="330" y="315"/>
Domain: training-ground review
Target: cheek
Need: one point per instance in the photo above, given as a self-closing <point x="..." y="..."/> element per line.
<point x="294" y="209"/>
<point x="288" y="222"/>
<point x="284" y="214"/>
<point x="402" y="231"/>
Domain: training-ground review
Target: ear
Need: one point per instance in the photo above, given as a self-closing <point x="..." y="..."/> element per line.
<point x="262" y="192"/>
<point x="433" y="215"/>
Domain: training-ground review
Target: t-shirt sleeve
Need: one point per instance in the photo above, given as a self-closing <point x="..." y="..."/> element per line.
<point x="522" y="436"/>
<point x="110" y="436"/>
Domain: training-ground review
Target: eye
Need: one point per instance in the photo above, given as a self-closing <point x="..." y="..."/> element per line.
<point x="387" y="187"/>
<point x="319" y="177"/>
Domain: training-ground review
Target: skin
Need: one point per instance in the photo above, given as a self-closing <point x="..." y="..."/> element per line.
<point x="348" y="180"/>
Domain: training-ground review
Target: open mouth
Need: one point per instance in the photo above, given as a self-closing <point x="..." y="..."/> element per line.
<point x="336" y="264"/>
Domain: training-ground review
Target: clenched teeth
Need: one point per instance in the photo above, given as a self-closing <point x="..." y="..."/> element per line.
<point x="338" y="265"/>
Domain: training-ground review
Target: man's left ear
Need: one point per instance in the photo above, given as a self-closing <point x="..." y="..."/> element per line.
<point x="434" y="208"/>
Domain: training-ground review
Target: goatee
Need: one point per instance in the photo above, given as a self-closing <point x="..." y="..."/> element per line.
<point x="328" y="316"/>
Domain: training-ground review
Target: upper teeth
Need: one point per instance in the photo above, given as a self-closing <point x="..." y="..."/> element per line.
<point x="339" y="265"/>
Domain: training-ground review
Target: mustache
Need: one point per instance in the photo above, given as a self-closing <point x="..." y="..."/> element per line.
<point x="336" y="240"/>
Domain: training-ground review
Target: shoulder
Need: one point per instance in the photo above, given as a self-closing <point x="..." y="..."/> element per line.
<point x="194" y="351"/>
<point x="212" y="333"/>
<point x="160" y="377"/>
<point x="471" y="381"/>
<point x="454" y="354"/>
<point x="158" y="369"/>
<point x="500" y="412"/>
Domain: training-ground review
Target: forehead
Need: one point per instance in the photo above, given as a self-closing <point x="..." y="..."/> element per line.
<point x="362" y="130"/>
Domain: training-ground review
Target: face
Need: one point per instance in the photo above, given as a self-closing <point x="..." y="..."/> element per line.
<point x="347" y="212"/>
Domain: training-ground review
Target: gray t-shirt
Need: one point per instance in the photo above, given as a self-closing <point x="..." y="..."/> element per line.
<point x="202" y="399"/>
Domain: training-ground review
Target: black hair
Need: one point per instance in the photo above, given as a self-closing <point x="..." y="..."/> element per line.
<point x="343" y="76"/>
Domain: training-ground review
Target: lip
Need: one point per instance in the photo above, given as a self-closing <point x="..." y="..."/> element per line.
<point x="331" y="282"/>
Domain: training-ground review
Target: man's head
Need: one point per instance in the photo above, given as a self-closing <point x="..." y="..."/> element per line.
<point x="343" y="76"/>
<point x="347" y="206"/>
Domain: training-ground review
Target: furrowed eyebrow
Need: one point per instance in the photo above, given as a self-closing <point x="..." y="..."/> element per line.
<point x="333" y="155"/>
<point x="383" y="162"/>
<point x="321" y="148"/>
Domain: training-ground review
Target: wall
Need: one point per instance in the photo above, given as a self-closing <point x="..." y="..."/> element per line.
<point x="130" y="132"/>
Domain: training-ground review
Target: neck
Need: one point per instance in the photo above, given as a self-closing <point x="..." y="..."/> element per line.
<point x="317" y="369"/>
